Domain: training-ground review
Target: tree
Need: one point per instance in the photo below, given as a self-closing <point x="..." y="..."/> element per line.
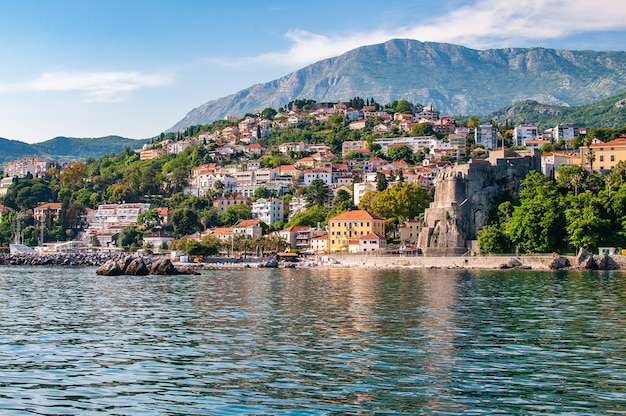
<point x="73" y="176"/>
<point x="493" y="239"/>
<point x="537" y="224"/>
<point x="235" y="213"/>
<point x="422" y="129"/>
<point x="130" y="236"/>
<point x="268" y="113"/>
<point x="381" y="182"/>
<point x="571" y="177"/>
<point x="586" y="224"/>
<point x="263" y="192"/>
<point x="149" y="218"/>
<point x="402" y="106"/>
<point x="317" y="214"/>
<point x="400" y="153"/>
<point x="342" y="202"/>
<point x="317" y="193"/>
<point x="185" y="221"/>
<point x="209" y="217"/>
<point x="473" y="122"/>
<point x="401" y="202"/>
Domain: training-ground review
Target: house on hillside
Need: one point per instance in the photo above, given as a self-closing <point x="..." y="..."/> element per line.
<point x="352" y="225"/>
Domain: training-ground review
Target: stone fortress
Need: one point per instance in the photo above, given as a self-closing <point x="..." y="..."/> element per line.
<point x="465" y="196"/>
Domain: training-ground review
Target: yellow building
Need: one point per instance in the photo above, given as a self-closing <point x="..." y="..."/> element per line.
<point x="605" y="155"/>
<point x="352" y="225"/>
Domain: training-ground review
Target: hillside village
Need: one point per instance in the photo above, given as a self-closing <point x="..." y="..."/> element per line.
<point x="256" y="195"/>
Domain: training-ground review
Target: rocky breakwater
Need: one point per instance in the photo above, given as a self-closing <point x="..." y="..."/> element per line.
<point x="56" y="259"/>
<point x="586" y="261"/>
<point x="140" y="266"/>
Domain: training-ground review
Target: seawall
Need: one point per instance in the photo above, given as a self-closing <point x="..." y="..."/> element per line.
<point x="469" y="262"/>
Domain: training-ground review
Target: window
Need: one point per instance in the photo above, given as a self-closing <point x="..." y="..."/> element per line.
<point x="612" y="158"/>
<point x="602" y="158"/>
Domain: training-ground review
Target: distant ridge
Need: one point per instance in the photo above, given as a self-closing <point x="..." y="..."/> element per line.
<point x="453" y="78"/>
<point x="606" y="113"/>
<point x="65" y="149"/>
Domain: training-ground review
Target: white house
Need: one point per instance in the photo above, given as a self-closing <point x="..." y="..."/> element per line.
<point x="486" y="135"/>
<point x="268" y="210"/>
<point x="525" y="132"/>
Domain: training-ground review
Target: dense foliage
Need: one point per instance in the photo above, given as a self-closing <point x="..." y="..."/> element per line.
<point x="578" y="210"/>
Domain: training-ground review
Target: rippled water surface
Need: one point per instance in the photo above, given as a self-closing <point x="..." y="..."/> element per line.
<point x="262" y="341"/>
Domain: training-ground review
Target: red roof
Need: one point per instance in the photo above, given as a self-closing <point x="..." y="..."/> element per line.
<point x="247" y="223"/>
<point x="620" y="141"/>
<point x="370" y="236"/>
<point x="355" y="215"/>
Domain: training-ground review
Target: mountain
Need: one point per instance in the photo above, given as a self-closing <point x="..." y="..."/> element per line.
<point x="606" y="113"/>
<point x="452" y="78"/>
<point x="65" y="149"/>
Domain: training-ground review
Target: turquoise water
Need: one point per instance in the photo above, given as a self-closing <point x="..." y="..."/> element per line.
<point x="338" y="341"/>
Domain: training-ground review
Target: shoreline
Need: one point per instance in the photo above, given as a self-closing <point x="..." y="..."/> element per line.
<point x="353" y="260"/>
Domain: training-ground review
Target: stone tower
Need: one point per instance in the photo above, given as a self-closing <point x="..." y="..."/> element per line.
<point x="466" y="194"/>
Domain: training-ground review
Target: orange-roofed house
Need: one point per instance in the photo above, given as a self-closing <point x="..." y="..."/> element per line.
<point x="367" y="243"/>
<point x="52" y="209"/>
<point x="319" y="244"/>
<point x="250" y="229"/>
<point x="352" y="225"/>
<point x="607" y="155"/>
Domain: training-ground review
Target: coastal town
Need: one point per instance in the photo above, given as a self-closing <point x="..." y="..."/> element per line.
<point x="254" y="196"/>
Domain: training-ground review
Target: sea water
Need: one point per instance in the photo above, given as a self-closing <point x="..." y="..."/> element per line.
<point x="312" y="341"/>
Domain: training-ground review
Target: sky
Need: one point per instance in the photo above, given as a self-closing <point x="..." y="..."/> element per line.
<point x="133" y="68"/>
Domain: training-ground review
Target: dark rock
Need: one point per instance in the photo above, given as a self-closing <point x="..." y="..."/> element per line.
<point x="110" y="268"/>
<point x="588" y="263"/>
<point x="189" y="270"/>
<point x="582" y="257"/>
<point x="559" y="263"/>
<point x="503" y="266"/>
<point x="273" y="263"/>
<point x="163" y="267"/>
<point x="514" y="264"/>
<point x="605" y="262"/>
<point x="137" y="267"/>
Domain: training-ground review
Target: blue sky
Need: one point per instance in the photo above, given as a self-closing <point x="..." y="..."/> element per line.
<point x="89" y="68"/>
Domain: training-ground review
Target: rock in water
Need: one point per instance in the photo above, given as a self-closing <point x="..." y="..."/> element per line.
<point x="559" y="263"/>
<point x="110" y="268"/>
<point x="137" y="267"/>
<point x="163" y="267"/>
<point x="514" y="263"/>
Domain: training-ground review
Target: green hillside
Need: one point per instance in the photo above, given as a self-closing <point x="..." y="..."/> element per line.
<point x="65" y="149"/>
<point x="607" y="113"/>
<point x="69" y="148"/>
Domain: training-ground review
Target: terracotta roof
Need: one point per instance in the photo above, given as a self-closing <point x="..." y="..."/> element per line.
<point x="247" y="223"/>
<point x="222" y="230"/>
<point x="51" y="205"/>
<point x="370" y="236"/>
<point x="296" y="228"/>
<point x="620" y="141"/>
<point x="355" y="215"/>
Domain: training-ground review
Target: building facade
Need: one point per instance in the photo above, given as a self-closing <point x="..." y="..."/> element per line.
<point x="352" y="225"/>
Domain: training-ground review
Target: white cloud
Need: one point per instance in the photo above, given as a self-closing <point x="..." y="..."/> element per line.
<point x="482" y="24"/>
<point x="97" y="86"/>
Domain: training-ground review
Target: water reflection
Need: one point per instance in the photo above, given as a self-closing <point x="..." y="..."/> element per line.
<point x="312" y="341"/>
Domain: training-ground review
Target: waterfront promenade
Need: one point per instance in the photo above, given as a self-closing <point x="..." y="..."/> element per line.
<point x="537" y="262"/>
<point x="348" y="260"/>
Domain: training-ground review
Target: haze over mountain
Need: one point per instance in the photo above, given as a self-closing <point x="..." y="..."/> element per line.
<point x="65" y="149"/>
<point x="454" y="79"/>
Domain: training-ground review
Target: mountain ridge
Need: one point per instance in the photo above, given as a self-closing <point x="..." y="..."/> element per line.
<point x="65" y="149"/>
<point x="453" y="78"/>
